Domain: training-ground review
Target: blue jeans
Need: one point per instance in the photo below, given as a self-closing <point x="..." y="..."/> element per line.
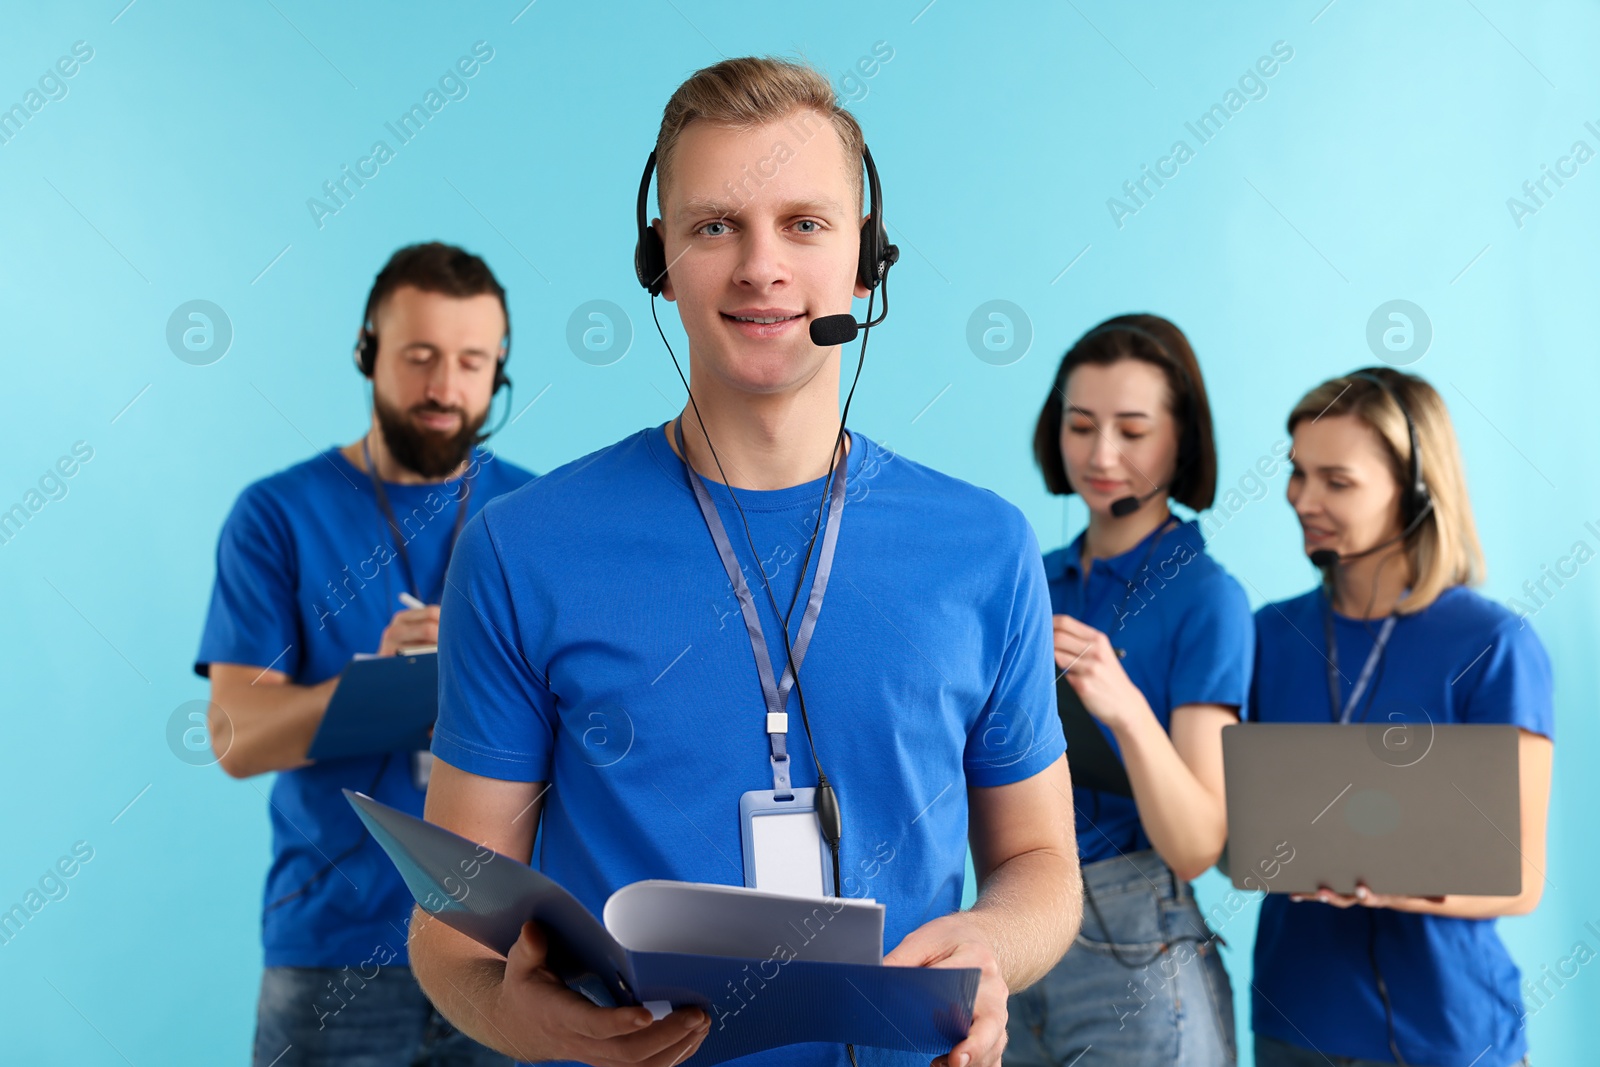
<point x="1270" y="1052"/>
<point x="322" y="1016"/>
<point x="1166" y="1000"/>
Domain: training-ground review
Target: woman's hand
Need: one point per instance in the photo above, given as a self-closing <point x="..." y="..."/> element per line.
<point x="1364" y="898"/>
<point x="1095" y="673"/>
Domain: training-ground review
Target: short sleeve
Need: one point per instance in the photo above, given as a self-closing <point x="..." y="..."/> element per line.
<point x="253" y="619"/>
<point x="1511" y="681"/>
<point x="1214" y="649"/>
<point x="1019" y="732"/>
<point x="496" y="711"/>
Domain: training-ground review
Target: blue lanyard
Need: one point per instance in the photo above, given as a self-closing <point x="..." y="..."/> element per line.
<point x="394" y="527"/>
<point x="1374" y="657"/>
<point x="776" y="694"/>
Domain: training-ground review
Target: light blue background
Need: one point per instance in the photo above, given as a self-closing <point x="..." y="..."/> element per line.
<point x="179" y="164"/>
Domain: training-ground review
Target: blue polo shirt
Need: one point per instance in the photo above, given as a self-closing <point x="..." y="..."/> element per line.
<point x="591" y="639"/>
<point x="1185" y="625"/>
<point x="1455" y="991"/>
<point x="307" y="576"/>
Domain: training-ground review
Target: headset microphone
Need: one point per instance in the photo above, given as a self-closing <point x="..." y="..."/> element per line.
<point x="831" y="330"/>
<point x="1323" y="558"/>
<point x="1124" y="506"/>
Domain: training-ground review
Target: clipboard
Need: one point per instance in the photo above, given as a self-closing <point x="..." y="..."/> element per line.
<point x="1094" y="763"/>
<point x="769" y="969"/>
<point x="381" y="704"/>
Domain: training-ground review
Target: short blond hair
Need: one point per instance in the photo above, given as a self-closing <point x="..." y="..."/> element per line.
<point x="752" y="91"/>
<point x="1443" y="551"/>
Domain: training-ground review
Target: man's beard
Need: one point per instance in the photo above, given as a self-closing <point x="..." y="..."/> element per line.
<point x="427" y="452"/>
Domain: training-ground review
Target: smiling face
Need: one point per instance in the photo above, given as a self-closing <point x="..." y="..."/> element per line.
<point x="433" y="377"/>
<point x="1118" y="435"/>
<point x="1342" y="485"/>
<point x="761" y="234"/>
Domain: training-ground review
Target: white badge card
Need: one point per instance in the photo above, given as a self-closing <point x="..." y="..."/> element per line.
<point x="783" y="847"/>
<point x="421" y="768"/>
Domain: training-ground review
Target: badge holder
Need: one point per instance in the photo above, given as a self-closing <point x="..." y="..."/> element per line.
<point x="421" y="769"/>
<point x="784" y="851"/>
<point x="783" y="847"/>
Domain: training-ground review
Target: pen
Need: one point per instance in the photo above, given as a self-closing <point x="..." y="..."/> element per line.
<point x="411" y="602"/>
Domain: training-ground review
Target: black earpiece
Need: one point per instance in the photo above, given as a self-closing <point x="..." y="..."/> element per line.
<point x="877" y="254"/>
<point x="649" y="255"/>
<point x="366" y="350"/>
<point x="1415" y="500"/>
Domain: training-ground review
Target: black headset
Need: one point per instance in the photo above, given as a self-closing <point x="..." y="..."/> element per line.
<point x="366" y="350"/>
<point x="1415" y="499"/>
<point x="877" y="254"/>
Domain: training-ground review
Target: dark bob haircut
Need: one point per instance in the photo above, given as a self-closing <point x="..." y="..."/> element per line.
<point x="1154" y="340"/>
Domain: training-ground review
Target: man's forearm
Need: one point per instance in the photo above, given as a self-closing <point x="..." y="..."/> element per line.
<point x="268" y="726"/>
<point x="461" y="978"/>
<point x="1030" y="907"/>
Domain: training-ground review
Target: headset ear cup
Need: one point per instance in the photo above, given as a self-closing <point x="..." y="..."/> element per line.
<point x="867" y="263"/>
<point x="650" y="261"/>
<point x="877" y="254"/>
<point x="649" y="254"/>
<point x="1421" y="498"/>
<point x="366" y="352"/>
<point x="1421" y="501"/>
<point x="500" y="379"/>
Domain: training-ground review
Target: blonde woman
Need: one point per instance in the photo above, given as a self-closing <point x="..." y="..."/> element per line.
<point x="1377" y="485"/>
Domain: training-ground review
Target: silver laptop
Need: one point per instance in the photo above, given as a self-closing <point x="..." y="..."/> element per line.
<point x="1415" y="809"/>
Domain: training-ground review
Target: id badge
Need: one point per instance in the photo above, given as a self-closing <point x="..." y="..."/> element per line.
<point x="783" y="847"/>
<point x="421" y="769"/>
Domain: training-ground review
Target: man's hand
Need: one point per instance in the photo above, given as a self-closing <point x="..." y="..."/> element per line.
<point x="539" y="1018"/>
<point x="1095" y="672"/>
<point x="956" y="941"/>
<point x="409" y="628"/>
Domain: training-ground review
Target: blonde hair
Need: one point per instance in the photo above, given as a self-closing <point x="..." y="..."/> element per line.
<point x="1443" y="551"/>
<point x="753" y="91"/>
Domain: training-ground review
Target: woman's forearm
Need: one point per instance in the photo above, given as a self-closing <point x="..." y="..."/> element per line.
<point x="1186" y="823"/>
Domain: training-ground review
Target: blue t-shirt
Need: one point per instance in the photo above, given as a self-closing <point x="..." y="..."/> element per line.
<point x="1185" y="625"/>
<point x="591" y="639"/>
<point x="1462" y="659"/>
<point x="307" y="576"/>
